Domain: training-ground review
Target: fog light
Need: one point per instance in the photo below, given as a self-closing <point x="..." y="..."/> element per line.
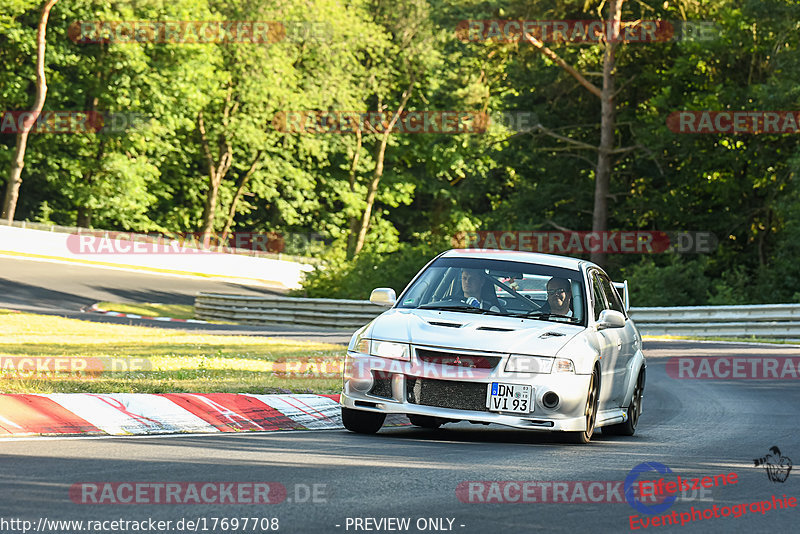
<point x="550" y="400"/>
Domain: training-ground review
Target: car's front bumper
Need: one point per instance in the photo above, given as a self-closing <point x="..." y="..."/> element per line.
<point x="461" y="391"/>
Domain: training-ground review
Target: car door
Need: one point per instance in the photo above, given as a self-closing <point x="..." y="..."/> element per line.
<point x="609" y="342"/>
<point x="625" y="339"/>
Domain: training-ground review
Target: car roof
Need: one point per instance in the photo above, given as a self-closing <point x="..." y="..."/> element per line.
<point x="554" y="260"/>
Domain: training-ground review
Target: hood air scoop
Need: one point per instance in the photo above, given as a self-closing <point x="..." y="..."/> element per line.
<point x="449" y="325"/>
<point x="550" y="334"/>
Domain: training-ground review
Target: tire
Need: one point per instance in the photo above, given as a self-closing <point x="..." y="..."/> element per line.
<point x="362" y="422"/>
<point x="425" y="421"/>
<point x="590" y="412"/>
<point x="628" y="428"/>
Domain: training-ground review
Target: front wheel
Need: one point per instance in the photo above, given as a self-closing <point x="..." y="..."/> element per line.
<point x="628" y="428"/>
<point x="590" y="411"/>
<point x="361" y="421"/>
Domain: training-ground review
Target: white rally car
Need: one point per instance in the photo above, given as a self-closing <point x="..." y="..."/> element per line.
<point x="469" y="340"/>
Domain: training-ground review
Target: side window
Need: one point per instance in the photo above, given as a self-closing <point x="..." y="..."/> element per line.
<point x="597" y="297"/>
<point x="612" y="297"/>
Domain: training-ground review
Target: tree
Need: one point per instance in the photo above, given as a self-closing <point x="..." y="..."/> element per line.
<point x="15" y="180"/>
<point x="607" y="95"/>
<point x="408" y="62"/>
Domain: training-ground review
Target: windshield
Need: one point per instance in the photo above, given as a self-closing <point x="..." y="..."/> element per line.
<point x="495" y="287"/>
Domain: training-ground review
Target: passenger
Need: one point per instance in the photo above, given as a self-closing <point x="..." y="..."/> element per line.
<point x="559" y="297"/>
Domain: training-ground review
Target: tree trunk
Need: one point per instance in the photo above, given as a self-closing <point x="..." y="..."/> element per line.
<point x="15" y="180"/>
<point x="238" y="195"/>
<point x="607" y="128"/>
<point x="216" y="172"/>
<point x="352" y="221"/>
<point x="84" y="217"/>
<point x="378" y="174"/>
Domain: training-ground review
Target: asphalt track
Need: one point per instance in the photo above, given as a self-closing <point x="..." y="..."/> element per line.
<point x="695" y="427"/>
<point x="64" y="289"/>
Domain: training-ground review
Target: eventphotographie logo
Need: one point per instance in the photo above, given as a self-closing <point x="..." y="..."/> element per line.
<point x="777" y="465"/>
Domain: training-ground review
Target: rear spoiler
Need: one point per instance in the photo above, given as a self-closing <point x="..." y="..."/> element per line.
<point x="622" y="289"/>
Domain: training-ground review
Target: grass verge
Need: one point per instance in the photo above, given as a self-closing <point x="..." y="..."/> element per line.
<point x="176" y="311"/>
<point x="174" y="361"/>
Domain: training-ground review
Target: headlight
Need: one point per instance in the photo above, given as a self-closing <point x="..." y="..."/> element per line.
<point x="362" y="345"/>
<point x="521" y="363"/>
<point x="563" y="365"/>
<point x="389" y="349"/>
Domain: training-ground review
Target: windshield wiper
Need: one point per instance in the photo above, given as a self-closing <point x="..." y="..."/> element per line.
<point x="545" y="316"/>
<point x="458" y="307"/>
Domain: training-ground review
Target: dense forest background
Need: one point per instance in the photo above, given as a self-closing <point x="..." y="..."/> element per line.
<point x="210" y="157"/>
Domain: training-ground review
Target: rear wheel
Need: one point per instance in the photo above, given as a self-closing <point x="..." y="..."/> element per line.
<point x="590" y="411"/>
<point x="361" y="421"/>
<point x="425" y="421"/>
<point x="628" y="428"/>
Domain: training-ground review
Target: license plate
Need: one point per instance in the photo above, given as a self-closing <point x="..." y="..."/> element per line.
<point x="513" y="398"/>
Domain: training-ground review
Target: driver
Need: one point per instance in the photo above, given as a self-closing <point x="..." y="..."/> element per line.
<point x="559" y="297"/>
<point x="472" y="283"/>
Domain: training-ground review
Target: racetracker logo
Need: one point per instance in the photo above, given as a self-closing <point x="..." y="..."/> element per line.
<point x="194" y="493"/>
<point x="734" y="122"/>
<point x="407" y="122"/>
<point x="585" y="31"/>
<point x="557" y="492"/>
<point x="182" y="243"/>
<point x="735" y="368"/>
<point x="24" y="367"/>
<point x="196" y="31"/>
<point x="636" y="242"/>
<point x="69" y="122"/>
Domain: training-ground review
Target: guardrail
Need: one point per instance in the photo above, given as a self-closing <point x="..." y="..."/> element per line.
<point x="767" y="320"/>
<point x="329" y="313"/>
<point x="760" y="320"/>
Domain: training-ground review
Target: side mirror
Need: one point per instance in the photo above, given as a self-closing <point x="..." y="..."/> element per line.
<point x="610" y="319"/>
<point x="383" y="296"/>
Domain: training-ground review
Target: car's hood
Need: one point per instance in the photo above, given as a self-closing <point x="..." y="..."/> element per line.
<point x="489" y="333"/>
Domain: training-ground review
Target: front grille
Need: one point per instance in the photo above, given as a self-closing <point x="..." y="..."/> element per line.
<point x="446" y="394"/>
<point x="458" y="360"/>
<point x="381" y="385"/>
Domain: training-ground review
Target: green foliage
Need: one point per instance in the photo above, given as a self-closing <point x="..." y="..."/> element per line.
<point x="339" y="278"/>
<point x="678" y="282"/>
<point x="155" y="176"/>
